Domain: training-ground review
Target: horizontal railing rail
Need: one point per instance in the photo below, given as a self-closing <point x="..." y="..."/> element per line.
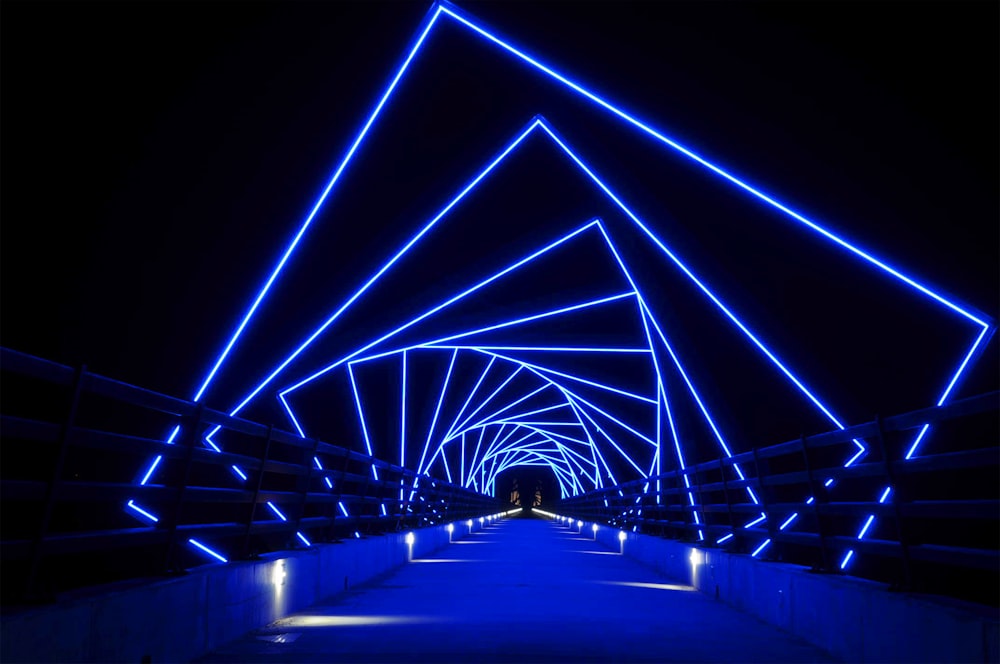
<point x="77" y="511"/>
<point x="920" y="518"/>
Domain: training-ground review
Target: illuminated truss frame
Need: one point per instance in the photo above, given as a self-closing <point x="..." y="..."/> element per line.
<point x="984" y="325"/>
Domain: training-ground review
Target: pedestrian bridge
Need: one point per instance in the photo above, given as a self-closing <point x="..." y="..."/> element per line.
<point x="521" y="589"/>
<point x="327" y="554"/>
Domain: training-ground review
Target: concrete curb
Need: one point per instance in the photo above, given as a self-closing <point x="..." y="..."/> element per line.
<point x="179" y="619"/>
<point x="853" y="619"/>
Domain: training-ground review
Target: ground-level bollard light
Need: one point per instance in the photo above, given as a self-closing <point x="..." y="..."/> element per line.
<point x="594" y="528"/>
<point x="451" y="529"/>
<point x="409" y="546"/>
<point x="621" y="539"/>
<point x="469" y="524"/>
<point x="579" y="527"/>
<point x="481" y="520"/>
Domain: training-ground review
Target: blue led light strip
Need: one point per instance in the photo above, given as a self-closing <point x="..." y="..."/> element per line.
<point x="493" y="417"/>
<point x="482" y="32"/>
<point x="437" y="411"/>
<point x="451" y="301"/>
<point x="476" y="27"/>
<point x="436" y="10"/>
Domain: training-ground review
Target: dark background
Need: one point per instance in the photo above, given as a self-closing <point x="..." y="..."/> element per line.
<point x="157" y="156"/>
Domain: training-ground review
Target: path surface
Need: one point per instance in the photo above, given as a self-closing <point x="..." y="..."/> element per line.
<point x="520" y="591"/>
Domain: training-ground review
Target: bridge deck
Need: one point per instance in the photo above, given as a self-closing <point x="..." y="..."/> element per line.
<point x="522" y="590"/>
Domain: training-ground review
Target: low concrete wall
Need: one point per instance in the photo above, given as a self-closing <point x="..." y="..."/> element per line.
<point x="178" y="619"/>
<point x="854" y="619"/>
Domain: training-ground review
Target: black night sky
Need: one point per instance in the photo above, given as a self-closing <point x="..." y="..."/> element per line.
<point x="158" y="156"/>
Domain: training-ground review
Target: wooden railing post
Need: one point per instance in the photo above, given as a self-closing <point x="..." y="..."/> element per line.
<point x="171" y="563"/>
<point x="725" y="490"/>
<point x="247" y="552"/>
<point x="763" y="499"/>
<point x="892" y="482"/>
<point x="824" y="550"/>
<point x="52" y="490"/>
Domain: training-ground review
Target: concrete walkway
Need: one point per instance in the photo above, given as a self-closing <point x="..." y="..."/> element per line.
<point x="520" y="591"/>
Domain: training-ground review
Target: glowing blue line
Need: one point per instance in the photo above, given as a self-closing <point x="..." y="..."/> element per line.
<point x="489" y="418"/>
<point x="568" y="454"/>
<point x="613" y="443"/>
<point x="670" y="417"/>
<point x="846" y="559"/>
<point x="868" y="523"/>
<point x="860" y="453"/>
<point x="602" y="386"/>
<point x="152" y="467"/>
<point x="492" y="394"/>
<point x="732" y="317"/>
<point x="481" y="432"/>
<point x="559" y="472"/>
<point x="707" y="164"/>
<point x="637" y="124"/>
<point x="561" y="435"/>
<point x="316" y="207"/>
<point x="885" y="494"/>
<point x="402" y="423"/>
<point x="556" y="349"/>
<point x="291" y="415"/>
<point x="567" y="391"/>
<point x="207" y="550"/>
<point x="513" y="418"/>
<point x="608" y="415"/>
<point x="343" y="509"/>
<point x="789" y="521"/>
<point x="361" y="417"/>
<point x="378" y="275"/>
<point x="569" y="457"/>
<point x="542" y="424"/>
<point x="239" y="472"/>
<point x="500" y="449"/>
<point x="580" y="413"/>
<point x="948" y="389"/>
<point x="490" y="487"/>
<point x="724" y="538"/>
<point x="303" y="538"/>
<point x="694" y="393"/>
<point x="474" y="466"/>
<point x="469" y="291"/>
<point x="276" y="511"/>
<point x="465" y="405"/>
<point x="755" y="521"/>
<point x="437" y="410"/>
<point x="593" y="448"/>
<point x="496" y="448"/>
<point x="444" y="460"/>
<point x="141" y="511"/>
<point x="439" y="343"/>
<point x="760" y="548"/>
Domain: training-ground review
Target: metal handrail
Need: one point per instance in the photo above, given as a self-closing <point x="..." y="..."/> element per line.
<point x="719" y="498"/>
<point x="194" y="500"/>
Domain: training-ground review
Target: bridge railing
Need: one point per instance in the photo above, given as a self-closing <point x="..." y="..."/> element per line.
<point x="82" y="505"/>
<point x="929" y="523"/>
